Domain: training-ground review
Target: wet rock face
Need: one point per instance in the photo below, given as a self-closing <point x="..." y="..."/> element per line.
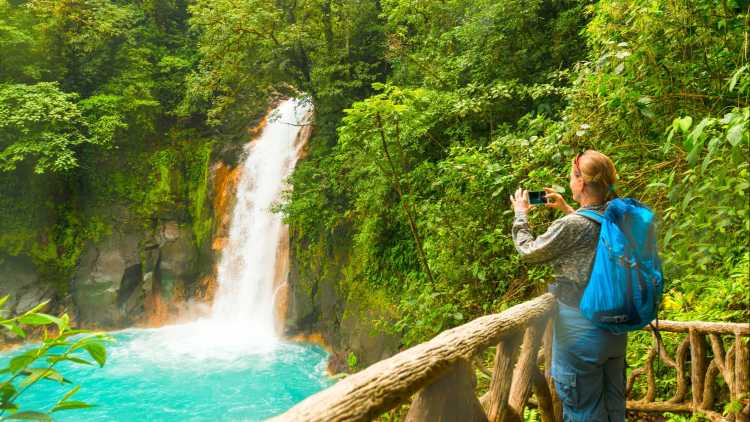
<point x="136" y="275"/>
<point x="130" y="275"/>
<point x="177" y="258"/>
<point x="321" y="302"/>
<point x="19" y="279"/>
<point x="108" y="275"/>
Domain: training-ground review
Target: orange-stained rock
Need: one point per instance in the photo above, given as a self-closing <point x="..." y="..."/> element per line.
<point x="280" y="285"/>
<point x="219" y="243"/>
<point x="312" y="338"/>
<point x="225" y="180"/>
<point x="176" y="307"/>
<point x="255" y="131"/>
<point x="155" y="314"/>
<point x="207" y="289"/>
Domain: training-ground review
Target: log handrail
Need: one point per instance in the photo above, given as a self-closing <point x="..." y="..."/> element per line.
<point x="701" y="327"/>
<point x="692" y="364"/>
<point x="385" y="384"/>
<point x="436" y="369"/>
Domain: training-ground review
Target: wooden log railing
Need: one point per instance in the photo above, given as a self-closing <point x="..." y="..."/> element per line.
<point x="439" y="379"/>
<point x="443" y="361"/>
<point x="698" y="362"/>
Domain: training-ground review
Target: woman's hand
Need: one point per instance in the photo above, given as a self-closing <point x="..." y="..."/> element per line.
<point x="520" y="200"/>
<point x="555" y="200"/>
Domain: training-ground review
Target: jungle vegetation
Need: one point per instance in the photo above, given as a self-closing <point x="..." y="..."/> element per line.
<point x="92" y="122"/>
<point x="428" y="114"/>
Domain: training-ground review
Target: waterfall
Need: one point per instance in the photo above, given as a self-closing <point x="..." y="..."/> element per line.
<point x="250" y="266"/>
<point x="254" y="261"/>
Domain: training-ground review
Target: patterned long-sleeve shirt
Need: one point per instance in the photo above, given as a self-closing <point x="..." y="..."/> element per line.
<point x="569" y="245"/>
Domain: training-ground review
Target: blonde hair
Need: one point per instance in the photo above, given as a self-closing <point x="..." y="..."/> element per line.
<point x="598" y="172"/>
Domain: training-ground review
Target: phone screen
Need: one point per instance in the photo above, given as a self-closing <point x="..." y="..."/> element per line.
<point x="537" y="197"/>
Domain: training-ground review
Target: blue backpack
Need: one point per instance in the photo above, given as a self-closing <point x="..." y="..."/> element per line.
<point x="625" y="288"/>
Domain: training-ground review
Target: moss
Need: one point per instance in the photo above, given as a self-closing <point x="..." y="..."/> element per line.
<point x="50" y="218"/>
<point x="50" y="232"/>
<point x="56" y="255"/>
<point x="370" y="306"/>
<point x="202" y="221"/>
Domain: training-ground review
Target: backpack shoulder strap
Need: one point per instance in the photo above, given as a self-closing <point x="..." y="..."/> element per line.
<point x="591" y="215"/>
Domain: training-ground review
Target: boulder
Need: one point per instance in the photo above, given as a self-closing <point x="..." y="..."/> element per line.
<point x="19" y="278"/>
<point x="131" y="273"/>
<point x="178" y="257"/>
<point x="109" y="273"/>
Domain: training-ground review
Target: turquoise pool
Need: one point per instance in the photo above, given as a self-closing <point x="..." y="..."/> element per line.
<point x="158" y="375"/>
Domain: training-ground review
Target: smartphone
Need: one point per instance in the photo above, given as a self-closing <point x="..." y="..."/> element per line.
<point x="537" y="197"/>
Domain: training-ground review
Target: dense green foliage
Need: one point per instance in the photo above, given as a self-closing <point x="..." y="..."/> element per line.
<point x="428" y="114"/>
<point x="443" y="108"/>
<point x="485" y="96"/>
<point x="94" y="129"/>
<point x="59" y="343"/>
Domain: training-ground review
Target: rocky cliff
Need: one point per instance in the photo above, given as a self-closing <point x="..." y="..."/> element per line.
<point x="135" y="274"/>
<point x="137" y="277"/>
<point x="325" y="299"/>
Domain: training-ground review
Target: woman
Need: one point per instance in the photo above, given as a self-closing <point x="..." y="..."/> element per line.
<point x="588" y="364"/>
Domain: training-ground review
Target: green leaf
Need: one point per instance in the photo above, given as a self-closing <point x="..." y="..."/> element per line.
<point x="35" y="374"/>
<point x="70" y="393"/>
<point x="712" y="145"/>
<point x="97" y="352"/>
<point x="69" y="333"/>
<point x="39" y="319"/>
<point x="8" y="406"/>
<point x="19" y="363"/>
<point x="694" y="154"/>
<point x="3" y="300"/>
<point x="7" y="390"/>
<point x="74" y="359"/>
<point x="670" y="135"/>
<point x="351" y="360"/>
<point x="734" y="134"/>
<point x="30" y="416"/>
<point x="64" y="322"/>
<point x="37" y="307"/>
<point x="14" y="328"/>
<point x="684" y="123"/>
<point x="697" y="132"/>
<point x="68" y="405"/>
<point x="736" y="77"/>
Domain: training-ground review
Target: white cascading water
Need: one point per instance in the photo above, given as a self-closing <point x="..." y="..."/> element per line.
<point x="251" y="268"/>
<point x="248" y="267"/>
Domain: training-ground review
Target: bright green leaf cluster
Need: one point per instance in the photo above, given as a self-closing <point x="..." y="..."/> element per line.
<point x="59" y="343"/>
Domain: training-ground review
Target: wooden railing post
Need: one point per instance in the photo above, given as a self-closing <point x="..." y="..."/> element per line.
<point x="450" y="398"/>
<point x="543" y="396"/>
<point x="556" y="403"/>
<point x="741" y="376"/>
<point x="680" y="358"/>
<point x="505" y="359"/>
<point x="697" y="366"/>
<point x="522" y="374"/>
